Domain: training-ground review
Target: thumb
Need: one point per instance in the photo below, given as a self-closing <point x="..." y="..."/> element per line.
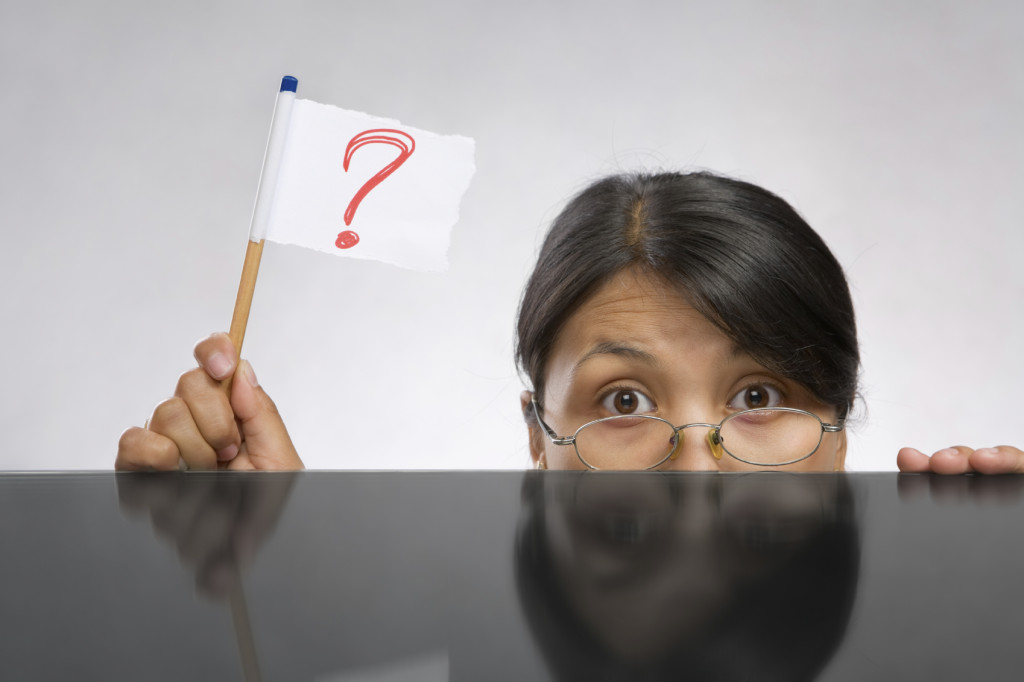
<point x="266" y="443"/>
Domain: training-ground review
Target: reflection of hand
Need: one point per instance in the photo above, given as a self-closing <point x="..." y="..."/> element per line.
<point x="960" y="490"/>
<point x="1004" y="459"/>
<point x="204" y="428"/>
<point x="215" y="522"/>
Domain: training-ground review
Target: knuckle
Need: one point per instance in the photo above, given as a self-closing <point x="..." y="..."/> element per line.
<point x="164" y="455"/>
<point x="140" y="449"/>
<point x="129" y="439"/>
<point x="220" y="428"/>
<point x="193" y="383"/>
<point x="170" y="413"/>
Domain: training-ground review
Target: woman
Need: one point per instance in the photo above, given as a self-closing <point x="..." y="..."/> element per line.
<point x="701" y="312"/>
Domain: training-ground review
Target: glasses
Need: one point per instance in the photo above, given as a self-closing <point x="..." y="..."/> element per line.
<point x="764" y="436"/>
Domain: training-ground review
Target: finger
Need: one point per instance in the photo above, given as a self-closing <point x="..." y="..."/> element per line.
<point x="911" y="487"/>
<point x="258" y="512"/>
<point x="911" y="460"/>
<point x="212" y="532"/>
<point x="173" y="419"/>
<point x="241" y="462"/>
<point x="139" y="495"/>
<point x="951" y="490"/>
<point x="1003" y="459"/>
<point x="952" y="461"/>
<point x="144" y="450"/>
<point x="267" y="444"/>
<point x="211" y="411"/>
<point x="217" y="355"/>
<point x="218" y="578"/>
<point x="996" y="491"/>
<point x="176" y="521"/>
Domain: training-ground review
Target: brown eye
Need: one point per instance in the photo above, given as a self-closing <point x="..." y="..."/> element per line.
<point x="755" y="396"/>
<point x="627" y="401"/>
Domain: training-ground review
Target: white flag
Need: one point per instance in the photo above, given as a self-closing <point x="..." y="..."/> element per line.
<point x="366" y="187"/>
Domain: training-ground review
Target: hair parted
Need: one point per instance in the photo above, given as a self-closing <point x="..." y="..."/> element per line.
<point x="739" y="254"/>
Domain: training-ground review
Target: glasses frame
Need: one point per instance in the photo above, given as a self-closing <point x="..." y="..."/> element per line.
<point x="713" y="437"/>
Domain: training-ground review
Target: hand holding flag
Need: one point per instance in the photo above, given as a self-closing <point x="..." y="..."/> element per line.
<point x="323" y="173"/>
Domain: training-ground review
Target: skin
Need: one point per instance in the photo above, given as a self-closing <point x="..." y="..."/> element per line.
<point x="203" y="427"/>
<point x="637" y="334"/>
<point x="691" y="372"/>
<point x="652" y="340"/>
<point x="960" y="459"/>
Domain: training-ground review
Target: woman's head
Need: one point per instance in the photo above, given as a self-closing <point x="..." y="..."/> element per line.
<point x="641" y="577"/>
<point x="684" y="273"/>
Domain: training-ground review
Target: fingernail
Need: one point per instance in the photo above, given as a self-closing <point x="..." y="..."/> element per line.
<point x="249" y="375"/>
<point x="227" y="454"/>
<point x="948" y="451"/>
<point x="986" y="451"/>
<point x="219" y="365"/>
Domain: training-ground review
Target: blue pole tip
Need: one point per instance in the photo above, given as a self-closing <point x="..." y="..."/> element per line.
<point x="289" y="84"/>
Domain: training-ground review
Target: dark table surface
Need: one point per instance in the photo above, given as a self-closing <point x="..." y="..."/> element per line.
<point x="402" y="576"/>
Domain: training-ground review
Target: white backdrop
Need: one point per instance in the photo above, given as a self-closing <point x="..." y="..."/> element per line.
<point x="131" y="137"/>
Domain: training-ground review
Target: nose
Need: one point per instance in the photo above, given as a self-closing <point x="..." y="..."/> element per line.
<point x="698" y="451"/>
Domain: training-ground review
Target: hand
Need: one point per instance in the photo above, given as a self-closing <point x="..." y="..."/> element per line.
<point x="961" y="491"/>
<point x="961" y="459"/>
<point x="216" y="523"/>
<point x="204" y="428"/>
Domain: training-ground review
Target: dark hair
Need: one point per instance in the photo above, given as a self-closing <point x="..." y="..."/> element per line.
<point x="785" y="624"/>
<point x="741" y="256"/>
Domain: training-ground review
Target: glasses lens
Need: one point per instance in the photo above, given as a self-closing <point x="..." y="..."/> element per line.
<point x="771" y="436"/>
<point x="626" y="442"/>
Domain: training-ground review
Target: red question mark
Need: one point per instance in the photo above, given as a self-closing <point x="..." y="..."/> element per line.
<point x="396" y="138"/>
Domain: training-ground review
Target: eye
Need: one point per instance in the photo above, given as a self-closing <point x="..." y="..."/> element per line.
<point x="756" y="395"/>
<point x="627" y="401"/>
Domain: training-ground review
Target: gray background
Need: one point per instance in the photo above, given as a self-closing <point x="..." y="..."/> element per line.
<point x="131" y="136"/>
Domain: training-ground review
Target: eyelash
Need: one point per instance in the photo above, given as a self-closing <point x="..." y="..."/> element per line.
<point x="612" y="390"/>
<point x="750" y="383"/>
<point x="768" y="383"/>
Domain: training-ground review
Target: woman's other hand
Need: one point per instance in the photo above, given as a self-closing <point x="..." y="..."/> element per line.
<point x="204" y="428"/>
<point x="1004" y="459"/>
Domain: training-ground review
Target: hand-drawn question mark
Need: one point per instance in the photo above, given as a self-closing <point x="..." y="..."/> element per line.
<point x="396" y="138"/>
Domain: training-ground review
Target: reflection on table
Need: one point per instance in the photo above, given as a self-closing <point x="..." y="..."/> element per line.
<point x="709" y="577"/>
<point x="510" y="576"/>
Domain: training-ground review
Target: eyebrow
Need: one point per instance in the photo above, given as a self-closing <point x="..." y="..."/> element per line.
<point x="619" y="349"/>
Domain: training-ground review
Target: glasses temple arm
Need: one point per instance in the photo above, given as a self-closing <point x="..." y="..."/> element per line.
<point x="555" y="438"/>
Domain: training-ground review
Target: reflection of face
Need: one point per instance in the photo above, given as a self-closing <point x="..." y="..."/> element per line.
<point x="638" y="347"/>
<point x="635" y="564"/>
<point x="650" y="563"/>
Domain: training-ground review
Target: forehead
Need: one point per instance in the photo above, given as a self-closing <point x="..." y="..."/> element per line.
<point x="639" y="308"/>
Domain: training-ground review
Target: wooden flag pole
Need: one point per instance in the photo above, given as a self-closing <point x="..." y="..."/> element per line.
<point x="240" y="319"/>
<point x="243" y="301"/>
<point x="239" y="610"/>
<point x="243" y="631"/>
<point x="246" y="286"/>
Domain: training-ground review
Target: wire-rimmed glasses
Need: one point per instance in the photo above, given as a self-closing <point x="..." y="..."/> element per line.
<point x="763" y="436"/>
